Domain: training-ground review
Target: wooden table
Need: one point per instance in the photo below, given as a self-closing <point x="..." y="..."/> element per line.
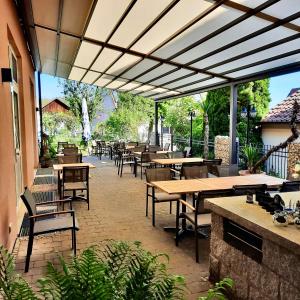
<point x="59" y="167"/>
<point x="176" y="161"/>
<point x="138" y="153"/>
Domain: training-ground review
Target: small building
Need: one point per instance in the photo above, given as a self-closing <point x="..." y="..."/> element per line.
<point x="55" y="105"/>
<point x="275" y="126"/>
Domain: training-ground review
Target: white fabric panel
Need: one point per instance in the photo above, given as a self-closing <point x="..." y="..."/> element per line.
<point x="155" y="91"/>
<point x="140" y="16"/>
<point x="216" y="19"/>
<point x="296" y="22"/>
<point x="266" y="66"/>
<point x="90" y="77"/>
<point x="293" y="45"/>
<point x="123" y="63"/>
<point x="179" y="16"/>
<point x="186" y="80"/>
<point x="103" y="61"/>
<point x="48" y="66"/>
<point x="172" y="76"/>
<point x="139" y="68"/>
<point x="86" y="54"/>
<point x="62" y="70"/>
<point x="230" y="35"/>
<point x="47" y="43"/>
<point x="130" y="85"/>
<point x="76" y="73"/>
<point x="283" y="8"/>
<point x="142" y="88"/>
<point x="250" y="3"/>
<point x="106" y="15"/>
<point x="156" y="72"/>
<point x="116" y="83"/>
<point x="45" y="12"/>
<point x="171" y="93"/>
<point x="67" y="49"/>
<point x="202" y="84"/>
<point x="103" y="80"/>
<point x="259" y="41"/>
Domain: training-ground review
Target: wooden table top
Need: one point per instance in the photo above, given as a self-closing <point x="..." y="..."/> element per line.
<point x="59" y="167"/>
<point x="177" y="161"/>
<point x="218" y="183"/>
<point x="255" y="218"/>
<point x="158" y="152"/>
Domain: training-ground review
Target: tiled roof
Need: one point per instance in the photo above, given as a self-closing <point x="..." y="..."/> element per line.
<point x="48" y="101"/>
<point x="282" y="112"/>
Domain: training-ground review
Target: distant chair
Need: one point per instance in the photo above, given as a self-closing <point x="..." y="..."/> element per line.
<point x="41" y="224"/>
<point x="228" y="170"/>
<point x="193" y="172"/>
<point x="290" y="186"/>
<point x="212" y="165"/>
<point x="70" y="151"/>
<point x="143" y="162"/>
<point x="76" y="179"/>
<point x="198" y="216"/>
<point x="187" y="151"/>
<point x="166" y="147"/>
<point x="159" y="174"/>
<point x="70" y="159"/>
<point x="154" y="148"/>
<point x="125" y="159"/>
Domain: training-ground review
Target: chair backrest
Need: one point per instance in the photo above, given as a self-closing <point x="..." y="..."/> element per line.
<point x="176" y="154"/>
<point x="290" y="186"/>
<point x="228" y="170"/>
<point x="192" y="172"/>
<point x="70" y="151"/>
<point x="29" y="202"/>
<point x="187" y="151"/>
<point x="210" y="194"/>
<point x="158" y="155"/>
<point x="166" y="146"/>
<point x="212" y="165"/>
<point x="154" y="148"/>
<point x="138" y="149"/>
<point x="69" y="146"/>
<point x="240" y="190"/>
<point x="158" y="174"/>
<point x="146" y="157"/>
<point x="70" y="159"/>
<point x="76" y="174"/>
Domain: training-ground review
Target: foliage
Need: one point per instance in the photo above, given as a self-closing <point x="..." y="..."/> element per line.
<point x="132" y="111"/>
<point x="251" y="155"/>
<point x="217" y="292"/>
<point x="119" y="271"/>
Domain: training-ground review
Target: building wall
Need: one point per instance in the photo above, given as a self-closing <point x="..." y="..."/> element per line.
<point x="11" y="34"/>
<point x="54" y="107"/>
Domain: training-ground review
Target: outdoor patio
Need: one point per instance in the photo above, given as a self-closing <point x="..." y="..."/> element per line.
<point x="117" y="211"/>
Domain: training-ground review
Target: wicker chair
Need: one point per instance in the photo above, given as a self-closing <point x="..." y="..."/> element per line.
<point x="290" y="186"/>
<point x="42" y="224"/>
<point x="70" y="151"/>
<point x="240" y="190"/>
<point x="193" y="172"/>
<point x="143" y="162"/>
<point x="125" y="159"/>
<point x="154" y="148"/>
<point x="76" y="179"/>
<point x="70" y="159"/>
<point x="212" y="166"/>
<point x="179" y="171"/>
<point x="228" y="170"/>
<point x="198" y="216"/>
<point x="160" y="174"/>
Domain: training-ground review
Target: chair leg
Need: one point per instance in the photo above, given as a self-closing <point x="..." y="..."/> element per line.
<point x="177" y="223"/>
<point x="72" y="236"/>
<point x="74" y="241"/>
<point x="170" y="207"/>
<point x="141" y="171"/>
<point x="122" y="165"/>
<point x="147" y="201"/>
<point x="29" y="251"/>
<point x="196" y="244"/>
<point x="88" y="198"/>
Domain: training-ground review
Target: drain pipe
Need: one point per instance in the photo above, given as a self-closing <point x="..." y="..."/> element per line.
<point x="41" y="113"/>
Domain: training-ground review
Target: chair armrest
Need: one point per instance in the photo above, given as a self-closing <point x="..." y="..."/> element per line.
<point x="149" y="184"/>
<point x="52" y="214"/>
<point x="188" y="205"/>
<point x="175" y="171"/>
<point x="55" y="201"/>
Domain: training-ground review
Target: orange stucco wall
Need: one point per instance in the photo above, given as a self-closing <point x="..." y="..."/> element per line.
<point x="11" y="34"/>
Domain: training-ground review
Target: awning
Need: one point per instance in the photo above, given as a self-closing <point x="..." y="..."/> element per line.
<point x="163" y="48"/>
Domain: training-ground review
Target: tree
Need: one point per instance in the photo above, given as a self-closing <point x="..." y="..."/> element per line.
<point x="204" y="109"/>
<point x="76" y="94"/>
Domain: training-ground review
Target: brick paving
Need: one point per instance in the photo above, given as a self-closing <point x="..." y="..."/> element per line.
<point x="117" y="211"/>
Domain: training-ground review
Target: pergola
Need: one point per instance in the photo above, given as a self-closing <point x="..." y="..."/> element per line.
<point x="164" y="48"/>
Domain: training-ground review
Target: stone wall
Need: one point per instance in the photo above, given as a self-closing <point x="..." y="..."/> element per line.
<point x="222" y="144"/>
<point x="293" y="156"/>
<point x="277" y="277"/>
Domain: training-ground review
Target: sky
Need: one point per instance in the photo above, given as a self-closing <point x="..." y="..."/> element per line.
<point x="280" y="86"/>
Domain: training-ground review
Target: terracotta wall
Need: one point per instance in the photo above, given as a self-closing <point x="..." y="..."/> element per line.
<point x="10" y="213"/>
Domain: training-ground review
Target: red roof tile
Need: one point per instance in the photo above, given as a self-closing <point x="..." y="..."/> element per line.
<point x="282" y="112"/>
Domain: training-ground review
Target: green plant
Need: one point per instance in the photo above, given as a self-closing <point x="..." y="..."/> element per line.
<point x="251" y="155"/>
<point x="120" y="271"/>
<point x="217" y="292"/>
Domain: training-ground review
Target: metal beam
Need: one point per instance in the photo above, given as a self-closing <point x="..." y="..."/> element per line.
<point x="232" y="126"/>
<point x="60" y="12"/>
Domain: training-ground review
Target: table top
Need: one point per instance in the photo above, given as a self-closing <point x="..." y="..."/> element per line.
<point x="59" y="167"/>
<point x="217" y="183"/>
<point x="177" y="161"/>
<point x="157" y="152"/>
<point x="255" y="218"/>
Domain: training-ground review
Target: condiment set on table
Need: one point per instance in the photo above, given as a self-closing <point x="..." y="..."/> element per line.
<point x="282" y="215"/>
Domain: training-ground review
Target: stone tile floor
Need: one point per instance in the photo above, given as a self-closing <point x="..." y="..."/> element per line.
<point x="117" y="211"/>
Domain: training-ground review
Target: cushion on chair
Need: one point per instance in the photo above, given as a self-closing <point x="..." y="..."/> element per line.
<point x="75" y="186"/>
<point x="203" y="219"/>
<point x="55" y="224"/>
<point x="166" y="197"/>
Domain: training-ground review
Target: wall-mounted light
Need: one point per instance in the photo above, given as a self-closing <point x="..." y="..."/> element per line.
<point x="6" y="75"/>
<point x="37" y="109"/>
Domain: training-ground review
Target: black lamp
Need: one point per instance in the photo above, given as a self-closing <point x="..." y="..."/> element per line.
<point x="6" y="75"/>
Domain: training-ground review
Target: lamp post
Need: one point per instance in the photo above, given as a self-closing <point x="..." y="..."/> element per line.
<point x="192" y="115"/>
<point x="162" y="118"/>
<point x="246" y="113"/>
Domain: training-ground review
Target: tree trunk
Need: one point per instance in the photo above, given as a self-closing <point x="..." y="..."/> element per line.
<point x="206" y="136"/>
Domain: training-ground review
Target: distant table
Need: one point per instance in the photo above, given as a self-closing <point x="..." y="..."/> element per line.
<point x="177" y="161"/>
<point x="59" y="167"/>
<point x="138" y="153"/>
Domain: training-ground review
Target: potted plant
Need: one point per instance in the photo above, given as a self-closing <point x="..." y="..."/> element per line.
<point x="251" y="155"/>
